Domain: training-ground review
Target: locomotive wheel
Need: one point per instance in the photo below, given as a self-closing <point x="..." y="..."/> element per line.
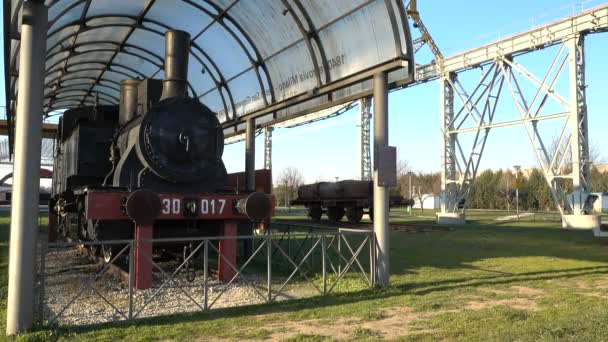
<point x="94" y="250"/>
<point x="315" y="213"/>
<point x="107" y="253"/>
<point x="354" y="215"/>
<point x="335" y="214"/>
<point x="63" y="228"/>
<point x="82" y="225"/>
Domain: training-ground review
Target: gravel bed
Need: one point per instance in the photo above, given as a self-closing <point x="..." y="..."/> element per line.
<point x="68" y="270"/>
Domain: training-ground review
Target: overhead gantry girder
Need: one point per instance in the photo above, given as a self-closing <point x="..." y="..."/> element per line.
<point x="475" y="114"/>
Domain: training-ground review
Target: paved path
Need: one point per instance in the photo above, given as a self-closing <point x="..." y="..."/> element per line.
<point x="6" y="208"/>
<point x="513" y="217"/>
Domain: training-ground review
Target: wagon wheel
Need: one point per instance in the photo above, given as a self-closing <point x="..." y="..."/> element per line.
<point x="315" y="213"/>
<point x="335" y="214"/>
<point x="354" y="215"/>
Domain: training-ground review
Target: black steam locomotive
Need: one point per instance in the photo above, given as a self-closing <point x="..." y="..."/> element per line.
<point x="158" y="139"/>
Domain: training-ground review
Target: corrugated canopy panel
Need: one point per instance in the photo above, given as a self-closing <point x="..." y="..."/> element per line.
<point x="270" y="59"/>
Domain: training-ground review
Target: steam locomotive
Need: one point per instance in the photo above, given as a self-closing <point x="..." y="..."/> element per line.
<point x="154" y="160"/>
<point x="348" y="197"/>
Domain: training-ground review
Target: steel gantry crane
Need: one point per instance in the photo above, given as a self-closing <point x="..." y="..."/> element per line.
<point x="482" y="109"/>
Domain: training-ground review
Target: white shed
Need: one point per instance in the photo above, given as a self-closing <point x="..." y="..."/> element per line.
<point x="429" y="201"/>
<point x="601" y="204"/>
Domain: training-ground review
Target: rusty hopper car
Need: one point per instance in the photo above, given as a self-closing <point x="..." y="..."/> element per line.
<point x="350" y="198"/>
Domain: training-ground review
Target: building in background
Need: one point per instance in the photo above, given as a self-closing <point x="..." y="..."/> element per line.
<point x="429" y="201"/>
<point x="601" y="204"/>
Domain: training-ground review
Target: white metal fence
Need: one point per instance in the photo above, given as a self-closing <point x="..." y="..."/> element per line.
<point x="75" y="289"/>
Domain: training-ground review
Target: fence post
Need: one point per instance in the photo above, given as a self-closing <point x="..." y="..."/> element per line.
<point x="323" y="265"/>
<point x="131" y="277"/>
<point x="43" y="251"/>
<point x="269" y="265"/>
<point x="339" y="252"/>
<point x="289" y="240"/>
<point x="311" y="261"/>
<point x="372" y="246"/>
<point x="206" y="274"/>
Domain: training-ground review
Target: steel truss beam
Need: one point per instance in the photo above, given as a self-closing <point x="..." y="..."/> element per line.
<point x="476" y="113"/>
<point x="268" y="147"/>
<point x="365" y="105"/>
<point x="591" y="21"/>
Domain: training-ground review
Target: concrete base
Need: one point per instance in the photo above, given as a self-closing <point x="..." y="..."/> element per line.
<point x="601" y="232"/>
<point x="451" y="218"/>
<point x="581" y="221"/>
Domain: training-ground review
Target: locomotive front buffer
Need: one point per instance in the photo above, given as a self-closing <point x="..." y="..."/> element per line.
<point x="145" y="208"/>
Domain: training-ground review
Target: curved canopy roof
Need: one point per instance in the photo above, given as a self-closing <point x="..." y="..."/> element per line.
<point x="272" y="59"/>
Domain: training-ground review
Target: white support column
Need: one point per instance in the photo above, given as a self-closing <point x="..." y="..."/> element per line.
<point x="26" y="168"/>
<point x="581" y="173"/>
<point x="268" y="147"/>
<point x="381" y="226"/>
<point x="250" y="154"/>
<point x="365" y="157"/>
<point x="449" y="192"/>
<point x="447" y="146"/>
<point x="578" y="122"/>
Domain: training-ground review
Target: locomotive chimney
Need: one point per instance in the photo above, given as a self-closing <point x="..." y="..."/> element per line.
<point x="128" y="101"/>
<point x="177" y="45"/>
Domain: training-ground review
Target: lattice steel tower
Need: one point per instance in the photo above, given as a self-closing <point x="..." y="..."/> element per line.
<point x="365" y="105"/>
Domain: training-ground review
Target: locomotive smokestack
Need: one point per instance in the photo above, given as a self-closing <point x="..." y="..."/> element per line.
<point x="128" y="101"/>
<point x="177" y="45"/>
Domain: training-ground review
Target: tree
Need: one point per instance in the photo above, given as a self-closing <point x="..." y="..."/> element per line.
<point x="290" y="178"/>
<point x="599" y="180"/>
<point x="485" y="190"/>
<point x="403" y="178"/>
<point x="539" y="195"/>
<point x="595" y="156"/>
<point x="506" y="188"/>
<point x="427" y="185"/>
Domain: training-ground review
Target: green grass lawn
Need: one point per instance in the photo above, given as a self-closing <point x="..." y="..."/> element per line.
<point x="514" y="280"/>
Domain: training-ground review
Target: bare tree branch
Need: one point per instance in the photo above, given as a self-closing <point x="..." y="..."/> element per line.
<point x="289" y="179"/>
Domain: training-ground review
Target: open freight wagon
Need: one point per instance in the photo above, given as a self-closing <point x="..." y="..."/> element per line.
<point x="350" y="198"/>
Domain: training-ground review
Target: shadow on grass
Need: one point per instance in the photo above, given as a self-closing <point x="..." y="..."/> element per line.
<point x="471" y="243"/>
<point x="457" y="249"/>
<point x="420" y="289"/>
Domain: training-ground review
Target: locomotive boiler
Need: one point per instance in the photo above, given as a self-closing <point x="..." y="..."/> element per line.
<point x="352" y="198"/>
<point x="154" y="161"/>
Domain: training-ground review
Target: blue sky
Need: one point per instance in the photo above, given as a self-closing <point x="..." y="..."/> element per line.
<point x="330" y="148"/>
